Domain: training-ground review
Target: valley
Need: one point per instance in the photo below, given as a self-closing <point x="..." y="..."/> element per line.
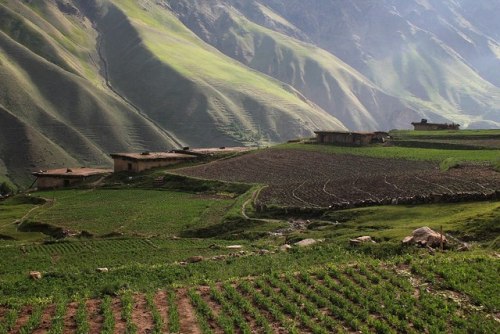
<point x="217" y="246"/>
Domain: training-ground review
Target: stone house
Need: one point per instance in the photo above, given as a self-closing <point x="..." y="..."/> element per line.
<point x="349" y="138"/>
<point x="138" y="162"/>
<point x="67" y="177"/>
<point x="424" y="125"/>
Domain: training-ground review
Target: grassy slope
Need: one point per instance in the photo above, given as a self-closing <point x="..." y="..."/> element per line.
<point x="431" y="78"/>
<point x="53" y="83"/>
<point x="410" y="153"/>
<point x="425" y="54"/>
<point x="316" y="73"/>
<point x="189" y="83"/>
<point x="50" y="86"/>
<point x="131" y="211"/>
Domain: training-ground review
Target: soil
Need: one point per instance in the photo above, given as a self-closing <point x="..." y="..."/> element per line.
<point x="24" y="315"/>
<point x="188" y="322"/>
<point x="120" y="324"/>
<point x="141" y="315"/>
<point x="319" y="180"/>
<point x="161" y="303"/>
<point x="69" y="318"/>
<point x="46" y="322"/>
<point x="94" y="314"/>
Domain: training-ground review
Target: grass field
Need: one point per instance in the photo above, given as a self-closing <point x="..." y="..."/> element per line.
<point x="449" y="134"/>
<point x="146" y="212"/>
<point x="408" y="153"/>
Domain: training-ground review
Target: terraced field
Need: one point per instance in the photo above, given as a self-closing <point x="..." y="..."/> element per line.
<point x="369" y="297"/>
<point x="299" y="178"/>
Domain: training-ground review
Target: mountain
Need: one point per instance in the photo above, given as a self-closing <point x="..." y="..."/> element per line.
<point x="83" y="78"/>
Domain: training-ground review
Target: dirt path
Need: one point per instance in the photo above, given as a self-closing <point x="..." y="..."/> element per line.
<point x="188" y="322"/>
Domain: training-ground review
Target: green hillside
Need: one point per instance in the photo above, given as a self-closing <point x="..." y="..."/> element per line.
<point x="64" y="77"/>
<point x="322" y="77"/>
<point x="92" y="77"/>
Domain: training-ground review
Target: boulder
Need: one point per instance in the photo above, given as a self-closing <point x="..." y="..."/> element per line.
<point x="234" y="247"/>
<point x="425" y="237"/>
<point x="35" y="275"/>
<point x="361" y="240"/>
<point x="285" y="247"/>
<point x="102" y="270"/>
<point x="306" y="242"/>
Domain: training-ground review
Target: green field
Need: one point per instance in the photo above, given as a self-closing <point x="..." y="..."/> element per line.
<point x="409" y="153"/>
<point x="145" y="212"/>
<point x="449" y="134"/>
<point x="148" y="237"/>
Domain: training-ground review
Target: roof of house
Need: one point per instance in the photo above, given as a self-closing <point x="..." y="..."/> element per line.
<point x="152" y="156"/>
<point x="71" y="172"/>
<point x="221" y="150"/>
<point x="345" y="132"/>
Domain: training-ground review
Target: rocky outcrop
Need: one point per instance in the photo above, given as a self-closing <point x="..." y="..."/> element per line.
<point x="426" y="237"/>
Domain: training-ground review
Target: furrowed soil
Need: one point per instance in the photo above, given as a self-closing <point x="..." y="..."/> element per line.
<point x="297" y="178"/>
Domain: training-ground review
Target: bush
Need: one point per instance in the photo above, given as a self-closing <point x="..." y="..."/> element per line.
<point x="7" y="188"/>
<point x="449" y="163"/>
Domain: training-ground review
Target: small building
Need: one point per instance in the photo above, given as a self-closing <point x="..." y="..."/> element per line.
<point x="424" y="125"/>
<point x="138" y="162"/>
<point x="67" y="177"/>
<point x="347" y="138"/>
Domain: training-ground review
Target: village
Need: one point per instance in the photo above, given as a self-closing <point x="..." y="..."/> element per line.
<point x="139" y="162"/>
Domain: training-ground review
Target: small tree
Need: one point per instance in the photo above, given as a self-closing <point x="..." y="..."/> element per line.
<point x="6" y="188"/>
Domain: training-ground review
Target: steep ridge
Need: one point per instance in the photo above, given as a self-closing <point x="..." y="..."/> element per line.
<point x="437" y="56"/>
<point x="193" y="90"/>
<point x="320" y="76"/>
<point x="78" y="121"/>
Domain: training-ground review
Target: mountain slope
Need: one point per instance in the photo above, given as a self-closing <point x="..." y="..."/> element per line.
<point x="319" y="75"/>
<point x="64" y="78"/>
<point x="439" y="57"/>
<point x="83" y="78"/>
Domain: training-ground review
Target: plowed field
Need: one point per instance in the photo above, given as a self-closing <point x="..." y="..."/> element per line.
<point x="313" y="179"/>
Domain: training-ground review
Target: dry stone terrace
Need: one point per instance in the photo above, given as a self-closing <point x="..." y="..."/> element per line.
<point x="313" y="179"/>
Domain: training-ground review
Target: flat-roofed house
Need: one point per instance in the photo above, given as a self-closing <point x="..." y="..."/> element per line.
<point x="424" y="125"/>
<point x="67" y="177"/>
<point x="138" y="162"/>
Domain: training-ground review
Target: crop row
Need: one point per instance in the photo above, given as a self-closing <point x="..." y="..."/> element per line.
<point x="363" y="298"/>
<point x="106" y="315"/>
<point x="367" y="297"/>
<point x="90" y="246"/>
